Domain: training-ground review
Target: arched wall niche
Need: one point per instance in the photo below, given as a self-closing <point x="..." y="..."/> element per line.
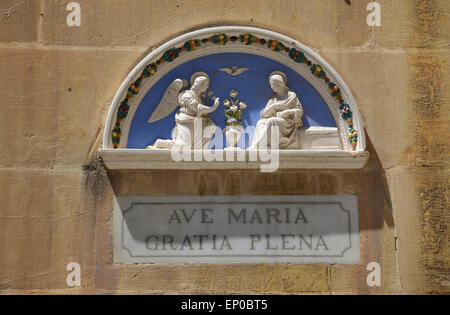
<point x="325" y="97"/>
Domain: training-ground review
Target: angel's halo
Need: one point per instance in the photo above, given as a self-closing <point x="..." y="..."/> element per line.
<point x="199" y="74"/>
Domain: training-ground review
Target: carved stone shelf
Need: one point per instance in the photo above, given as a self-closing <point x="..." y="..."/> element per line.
<point x="122" y="159"/>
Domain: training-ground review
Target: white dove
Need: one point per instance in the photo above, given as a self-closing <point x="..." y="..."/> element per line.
<point x="234" y="70"/>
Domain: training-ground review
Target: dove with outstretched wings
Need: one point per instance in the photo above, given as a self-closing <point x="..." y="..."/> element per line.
<point x="169" y="101"/>
<point x="234" y="70"/>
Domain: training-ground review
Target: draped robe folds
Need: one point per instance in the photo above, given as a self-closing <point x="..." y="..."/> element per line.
<point x="190" y="126"/>
<point x="287" y="116"/>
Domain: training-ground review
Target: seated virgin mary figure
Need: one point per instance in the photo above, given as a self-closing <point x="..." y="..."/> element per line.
<point x="283" y="111"/>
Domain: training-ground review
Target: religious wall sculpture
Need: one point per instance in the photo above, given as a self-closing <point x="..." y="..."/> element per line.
<point x="285" y="97"/>
<point x="283" y="111"/>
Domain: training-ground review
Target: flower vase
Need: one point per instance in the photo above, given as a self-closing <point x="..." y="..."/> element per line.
<point x="233" y="134"/>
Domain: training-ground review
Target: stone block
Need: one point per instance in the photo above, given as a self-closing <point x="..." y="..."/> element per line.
<point x="55" y="103"/>
<point x="47" y="220"/>
<point x="20" y="21"/>
<point x="379" y="82"/>
<point x="148" y="24"/>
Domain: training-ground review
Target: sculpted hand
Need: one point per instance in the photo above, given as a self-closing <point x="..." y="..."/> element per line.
<point x="274" y="107"/>
<point x="285" y="114"/>
<point x="216" y="103"/>
<point x="203" y="110"/>
<point x="267" y="113"/>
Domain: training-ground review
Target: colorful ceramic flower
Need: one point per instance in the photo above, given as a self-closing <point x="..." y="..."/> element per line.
<point x="116" y="134"/>
<point x="192" y="44"/>
<point x="133" y="89"/>
<point x="247" y="39"/>
<point x="353" y="137"/>
<point x="275" y="45"/>
<point x="317" y="70"/>
<point x="296" y="55"/>
<point x="346" y="111"/>
<point x="171" y="54"/>
<point x="149" y="70"/>
<point x="220" y="39"/>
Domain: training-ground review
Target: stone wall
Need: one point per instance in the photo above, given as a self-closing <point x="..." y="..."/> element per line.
<point x="57" y="83"/>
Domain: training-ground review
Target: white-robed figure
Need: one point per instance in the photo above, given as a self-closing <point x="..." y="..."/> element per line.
<point x="284" y="111"/>
<point x="193" y="128"/>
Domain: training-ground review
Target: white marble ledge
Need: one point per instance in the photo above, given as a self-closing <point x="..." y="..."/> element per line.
<point x="122" y="159"/>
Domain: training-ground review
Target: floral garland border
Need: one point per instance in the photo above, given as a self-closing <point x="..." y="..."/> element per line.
<point x="246" y="39"/>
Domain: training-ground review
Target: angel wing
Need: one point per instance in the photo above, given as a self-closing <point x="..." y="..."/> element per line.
<point x="169" y="101"/>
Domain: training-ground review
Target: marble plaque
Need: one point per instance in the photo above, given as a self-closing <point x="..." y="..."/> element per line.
<point x="236" y="229"/>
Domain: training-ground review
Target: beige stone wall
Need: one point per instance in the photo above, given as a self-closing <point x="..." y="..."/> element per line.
<point x="56" y="85"/>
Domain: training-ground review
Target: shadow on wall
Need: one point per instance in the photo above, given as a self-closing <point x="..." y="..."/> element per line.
<point x="379" y="198"/>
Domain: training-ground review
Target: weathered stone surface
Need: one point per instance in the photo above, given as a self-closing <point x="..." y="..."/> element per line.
<point x="145" y="23"/>
<point x="428" y="108"/>
<point x="224" y="279"/>
<point x="20" y="21"/>
<point x="56" y="86"/>
<point x="47" y="220"/>
<point x="378" y="81"/>
<point x="55" y="102"/>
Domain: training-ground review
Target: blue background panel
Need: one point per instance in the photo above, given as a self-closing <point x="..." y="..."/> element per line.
<point x="253" y="87"/>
